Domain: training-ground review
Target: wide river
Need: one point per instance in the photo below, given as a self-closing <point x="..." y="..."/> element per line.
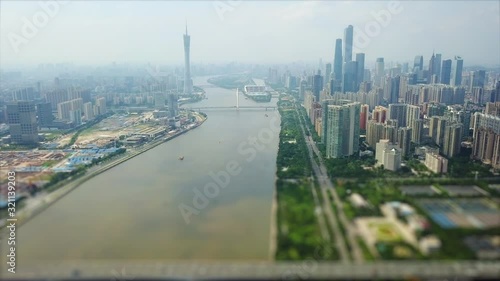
<point x="133" y="210"/>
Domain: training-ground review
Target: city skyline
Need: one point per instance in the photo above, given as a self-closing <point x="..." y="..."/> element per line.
<point x="346" y="136"/>
<point x="116" y="31"/>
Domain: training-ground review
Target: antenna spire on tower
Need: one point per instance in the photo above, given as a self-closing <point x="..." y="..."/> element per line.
<point x="186" y="27"/>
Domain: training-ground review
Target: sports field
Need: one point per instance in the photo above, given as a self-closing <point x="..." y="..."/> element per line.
<point x="385" y="231"/>
<point x="462" y="212"/>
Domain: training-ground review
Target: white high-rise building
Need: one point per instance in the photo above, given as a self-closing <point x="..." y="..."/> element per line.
<point x="486" y="144"/>
<point x="412" y="114"/>
<point x="388" y="154"/>
<point x="88" y="111"/>
<point x="436" y="163"/>
<point x="64" y="108"/>
<point x="101" y="106"/>
<point x="379" y="150"/>
<point x="392" y="159"/>
<point x="76" y="116"/>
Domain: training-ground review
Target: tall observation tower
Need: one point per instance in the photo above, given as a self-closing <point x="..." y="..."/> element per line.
<point x="188" y="83"/>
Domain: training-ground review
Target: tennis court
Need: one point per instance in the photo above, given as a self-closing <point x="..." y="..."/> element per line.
<point x="462" y="213"/>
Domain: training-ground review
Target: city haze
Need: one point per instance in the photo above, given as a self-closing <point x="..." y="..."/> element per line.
<point x="102" y="32"/>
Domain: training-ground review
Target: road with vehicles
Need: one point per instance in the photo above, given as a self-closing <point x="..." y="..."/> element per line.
<point x="326" y="184"/>
<point x="339" y="243"/>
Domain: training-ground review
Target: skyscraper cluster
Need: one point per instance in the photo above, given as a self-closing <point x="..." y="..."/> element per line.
<point x="427" y="105"/>
<point x="347" y="74"/>
<point x="439" y="71"/>
<point x="408" y="93"/>
<point x="26" y="116"/>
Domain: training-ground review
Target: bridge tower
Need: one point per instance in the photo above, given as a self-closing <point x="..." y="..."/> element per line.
<point x="237" y="99"/>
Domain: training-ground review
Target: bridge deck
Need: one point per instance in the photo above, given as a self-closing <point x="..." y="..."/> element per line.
<point x="229" y="107"/>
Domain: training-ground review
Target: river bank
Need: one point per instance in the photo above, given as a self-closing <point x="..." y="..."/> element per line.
<point x="131" y="212"/>
<point x="273" y="230"/>
<point x="29" y="211"/>
<point x="299" y="232"/>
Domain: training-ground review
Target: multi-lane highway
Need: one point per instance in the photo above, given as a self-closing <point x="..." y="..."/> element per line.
<point x="340" y="243"/>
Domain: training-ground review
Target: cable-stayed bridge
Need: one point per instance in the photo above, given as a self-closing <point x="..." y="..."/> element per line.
<point x="233" y="107"/>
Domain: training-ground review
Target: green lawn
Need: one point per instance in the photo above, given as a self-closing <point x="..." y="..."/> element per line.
<point x="385" y="232"/>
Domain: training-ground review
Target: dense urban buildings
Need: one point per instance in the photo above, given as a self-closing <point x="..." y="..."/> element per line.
<point x="407" y="106"/>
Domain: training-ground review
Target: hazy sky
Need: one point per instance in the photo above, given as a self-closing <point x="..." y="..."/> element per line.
<point x="248" y="31"/>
